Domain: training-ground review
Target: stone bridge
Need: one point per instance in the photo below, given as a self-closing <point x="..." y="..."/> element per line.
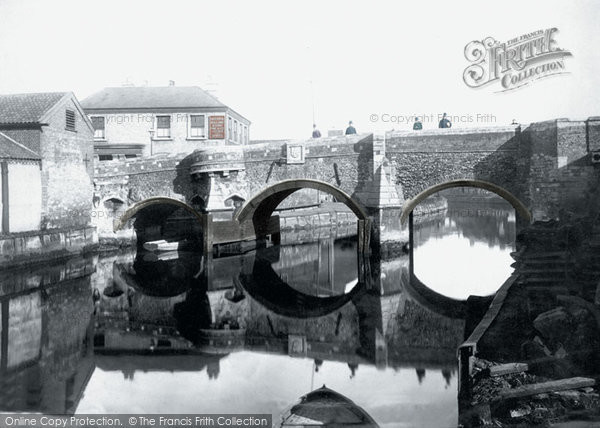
<point x="541" y="169"/>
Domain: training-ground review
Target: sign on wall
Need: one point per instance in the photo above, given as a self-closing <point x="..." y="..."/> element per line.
<point x="216" y="127"/>
<point x="295" y="153"/>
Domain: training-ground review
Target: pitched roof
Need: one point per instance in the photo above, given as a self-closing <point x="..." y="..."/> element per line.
<point x="147" y="97"/>
<point x="9" y="148"/>
<point x="27" y="108"/>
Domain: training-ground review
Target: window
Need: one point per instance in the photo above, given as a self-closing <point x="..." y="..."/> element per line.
<point x="229" y="131"/>
<point x="70" y="120"/>
<point x="105" y="157"/>
<point x="98" y="123"/>
<point x="163" y="126"/>
<point x="197" y="126"/>
<point x="235" y="131"/>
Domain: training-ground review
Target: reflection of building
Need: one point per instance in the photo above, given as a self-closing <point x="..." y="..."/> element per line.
<point x="133" y="121"/>
<point x="46" y="355"/>
<point x="129" y="364"/>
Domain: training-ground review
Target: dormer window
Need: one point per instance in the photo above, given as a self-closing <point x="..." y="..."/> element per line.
<point x="70" y="120"/>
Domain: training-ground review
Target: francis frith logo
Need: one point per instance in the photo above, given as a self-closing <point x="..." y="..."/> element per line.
<point x="514" y="63"/>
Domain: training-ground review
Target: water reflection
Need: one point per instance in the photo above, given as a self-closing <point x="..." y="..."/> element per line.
<point x="252" y="333"/>
<point x="327" y="267"/>
<point x="46" y="337"/>
<point x="464" y="249"/>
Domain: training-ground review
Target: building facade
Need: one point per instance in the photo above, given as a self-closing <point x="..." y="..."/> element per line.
<point x="131" y="122"/>
<point x="46" y="160"/>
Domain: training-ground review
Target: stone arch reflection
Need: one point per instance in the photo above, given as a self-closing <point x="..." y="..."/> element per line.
<point x="267" y="287"/>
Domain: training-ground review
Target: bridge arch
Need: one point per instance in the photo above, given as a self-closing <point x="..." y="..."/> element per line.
<point x="134" y="209"/>
<point x="265" y="202"/>
<point x="411" y="204"/>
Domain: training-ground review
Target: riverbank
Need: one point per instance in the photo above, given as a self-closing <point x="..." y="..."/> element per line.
<point x="41" y="246"/>
<point x="536" y="358"/>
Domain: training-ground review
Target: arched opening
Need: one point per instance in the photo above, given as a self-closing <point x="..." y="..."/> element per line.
<point x="462" y="237"/>
<point x="315" y="231"/>
<point x="519" y="207"/>
<point x="132" y="211"/>
<point x="265" y="202"/>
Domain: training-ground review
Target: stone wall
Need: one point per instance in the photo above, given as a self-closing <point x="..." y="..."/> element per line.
<point x="424" y="159"/>
<point x="66" y="177"/>
<point x="29" y="247"/>
<point x="545" y="165"/>
<point x="559" y="174"/>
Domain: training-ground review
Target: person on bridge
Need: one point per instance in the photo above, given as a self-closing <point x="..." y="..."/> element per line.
<point x="417" y="126"/>
<point x="350" y="130"/>
<point x="445" y="123"/>
<point x="316" y="133"/>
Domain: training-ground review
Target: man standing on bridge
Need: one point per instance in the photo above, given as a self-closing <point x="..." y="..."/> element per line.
<point x="350" y="130"/>
<point x="316" y="133"/>
<point x="417" y="126"/>
<point x="445" y="123"/>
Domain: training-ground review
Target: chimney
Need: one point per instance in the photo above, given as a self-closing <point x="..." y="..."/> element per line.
<point x="171" y="83"/>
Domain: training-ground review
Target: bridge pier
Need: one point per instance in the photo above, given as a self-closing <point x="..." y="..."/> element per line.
<point x="383" y="200"/>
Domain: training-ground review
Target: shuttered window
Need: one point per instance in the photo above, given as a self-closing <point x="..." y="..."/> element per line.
<point x="197" y="126"/>
<point x="163" y="126"/>
<point x="70" y="120"/>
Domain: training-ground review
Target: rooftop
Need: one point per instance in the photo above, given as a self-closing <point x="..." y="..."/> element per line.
<point x="20" y="109"/>
<point x="10" y="149"/>
<point x="147" y="97"/>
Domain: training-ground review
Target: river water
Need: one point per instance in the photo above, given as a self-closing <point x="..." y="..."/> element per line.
<point x="133" y="332"/>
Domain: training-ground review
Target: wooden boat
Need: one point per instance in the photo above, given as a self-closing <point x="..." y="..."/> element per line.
<point x="162" y="245"/>
<point x="324" y="407"/>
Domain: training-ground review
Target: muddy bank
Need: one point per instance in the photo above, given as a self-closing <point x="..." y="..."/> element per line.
<point x="545" y="337"/>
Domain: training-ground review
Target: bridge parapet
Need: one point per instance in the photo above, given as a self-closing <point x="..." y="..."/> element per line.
<point x="452" y="139"/>
<point x="222" y="159"/>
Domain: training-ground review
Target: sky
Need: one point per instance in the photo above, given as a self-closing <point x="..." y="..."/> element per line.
<point x="275" y="62"/>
